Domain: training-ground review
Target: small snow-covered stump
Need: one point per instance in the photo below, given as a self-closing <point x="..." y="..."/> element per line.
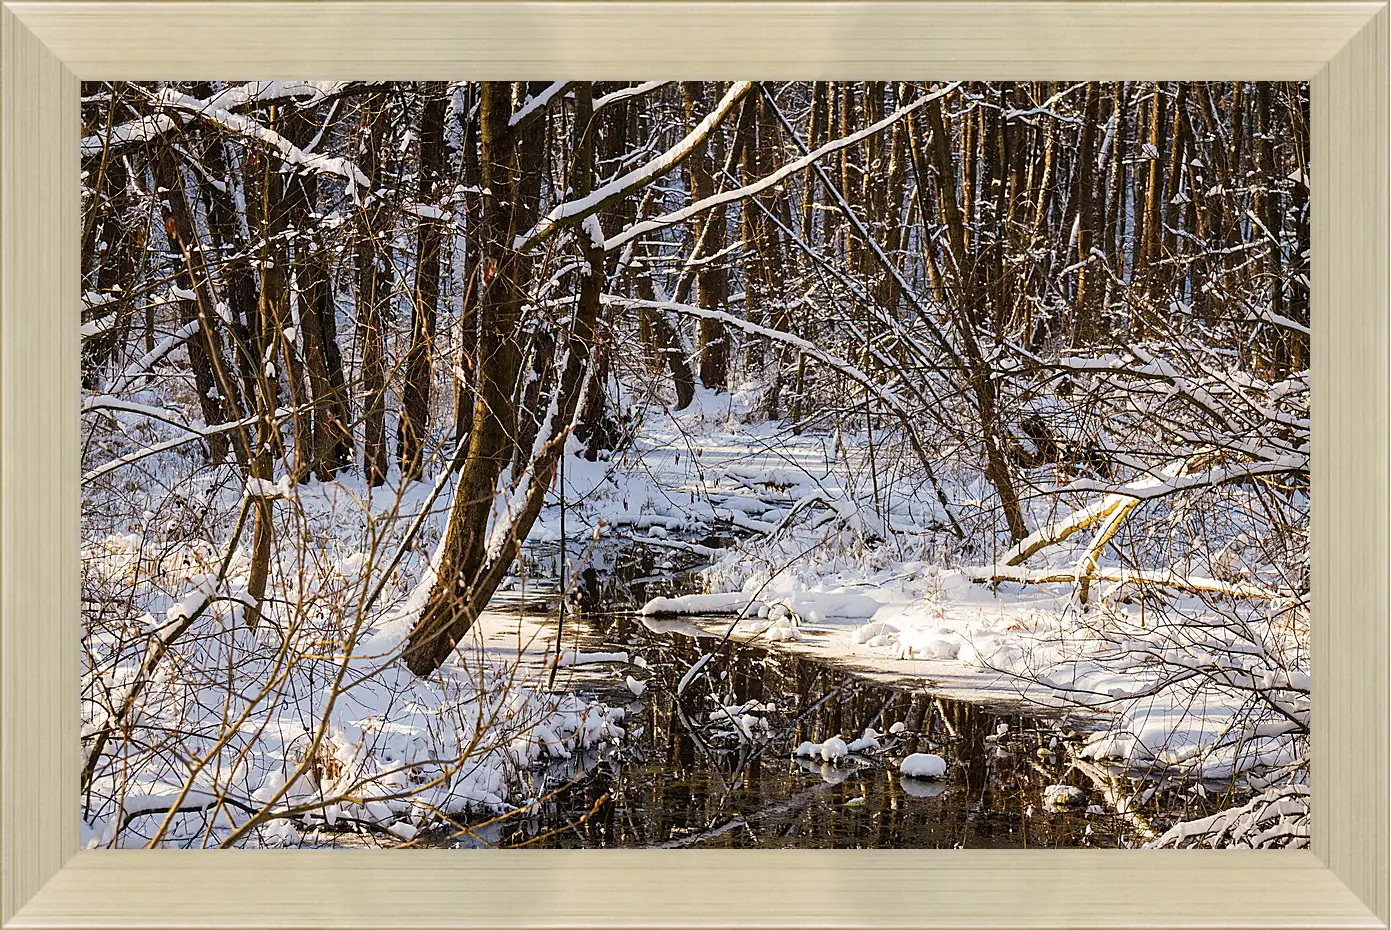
<point x="868" y="742"/>
<point x="923" y="765"/>
<point x="834" y="750"/>
<point x="1063" y="797"/>
<point x="402" y="830"/>
<point x="264" y="489"/>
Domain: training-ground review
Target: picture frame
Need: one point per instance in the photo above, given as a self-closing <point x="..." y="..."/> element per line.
<point x="48" y="47"/>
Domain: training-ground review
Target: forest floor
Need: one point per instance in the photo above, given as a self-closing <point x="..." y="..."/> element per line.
<point x="802" y="541"/>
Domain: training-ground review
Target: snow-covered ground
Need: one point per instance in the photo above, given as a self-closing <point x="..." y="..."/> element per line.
<point x="310" y="716"/>
<point x="809" y="543"/>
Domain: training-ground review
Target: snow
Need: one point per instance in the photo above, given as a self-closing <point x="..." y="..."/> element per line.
<point x="489" y="709"/>
<point x="627" y="93"/>
<point x="269" y="490"/>
<point x="305" y="92"/>
<point x="402" y="830"/>
<point x="138" y="130"/>
<point x="1063" y="797"/>
<point x="923" y="765"/>
<point x="734" y="602"/>
<point x="147" y="361"/>
<point x="834" y="750"/>
<point x="425" y="211"/>
<point x="1276" y="818"/>
<point x="588" y="658"/>
<point x="593" y="231"/>
<point x="889" y="609"/>
<point x="96" y="327"/>
<point x="867" y="742"/>
<point x="896" y="614"/>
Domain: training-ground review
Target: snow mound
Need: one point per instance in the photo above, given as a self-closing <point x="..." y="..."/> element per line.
<point x="834" y="749"/>
<point x="868" y="742"/>
<point x="731" y="602"/>
<point x="832" y="752"/>
<point x="923" y="765"/>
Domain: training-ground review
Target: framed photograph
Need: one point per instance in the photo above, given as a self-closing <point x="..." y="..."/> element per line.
<point x="695" y="463"/>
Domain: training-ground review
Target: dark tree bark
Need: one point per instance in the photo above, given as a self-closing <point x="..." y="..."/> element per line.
<point x="672" y="353"/>
<point x="1152" y="237"/>
<point x="218" y="395"/>
<point x="241" y="290"/>
<point x="1086" y="316"/>
<point x="471" y="180"/>
<point x="752" y="232"/>
<point x="109" y="252"/>
<point x="415" y="397"/>
<point x="374" y="286"/>
<point x="449" y="611"/>
<point x="317" y="336"/>
<point x="1116" y="210"/>
<point x="712" y="284"/>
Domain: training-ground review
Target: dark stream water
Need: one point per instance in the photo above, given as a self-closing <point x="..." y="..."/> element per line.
<point x="687" y="777"/>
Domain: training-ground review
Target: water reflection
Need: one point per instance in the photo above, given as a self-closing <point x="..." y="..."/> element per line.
<point x="714" y="767"/>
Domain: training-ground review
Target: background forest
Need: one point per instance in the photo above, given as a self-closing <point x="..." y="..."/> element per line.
<point x="1009" y="378"/>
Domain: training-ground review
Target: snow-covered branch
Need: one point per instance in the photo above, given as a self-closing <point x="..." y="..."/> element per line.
<point x="139" y="130"/>
<point x="1154" y="487"/>
<point x="245" y="126"/>
<point x="535" y="106"/>
<point x="150" y="127"/>
<point x="750" y="190"/>
<point x="574" y="210"/>
<point x="628" y="93"/>
<point x="990" y="574"/>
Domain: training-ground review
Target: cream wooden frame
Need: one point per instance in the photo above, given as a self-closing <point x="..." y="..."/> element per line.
<point x="48" y="46"/>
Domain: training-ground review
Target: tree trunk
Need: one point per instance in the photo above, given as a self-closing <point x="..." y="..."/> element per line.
<point x="268" y="216"/>
<point x="415" y="395"/>
<point x="752" y="229"/>
<point x="712" y="285"/>
<point x="218" y="395"/>
<point x="459" y="589"/>
<point x="1153" y="237"/>
<point x="317" y="338"/>
<point x="1084" y="328"/>
<point x="471" y="267"/>
<point x="669" y="340"/>
<point x="374" y="285"/>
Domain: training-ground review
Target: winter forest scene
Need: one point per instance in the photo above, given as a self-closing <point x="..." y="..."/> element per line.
<point x="661" y="464"/>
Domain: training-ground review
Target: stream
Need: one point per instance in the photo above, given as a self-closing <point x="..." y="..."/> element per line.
<point x="691" y="776"/>
<point x="709" y="756"/>
<point x="715" y="767"/>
